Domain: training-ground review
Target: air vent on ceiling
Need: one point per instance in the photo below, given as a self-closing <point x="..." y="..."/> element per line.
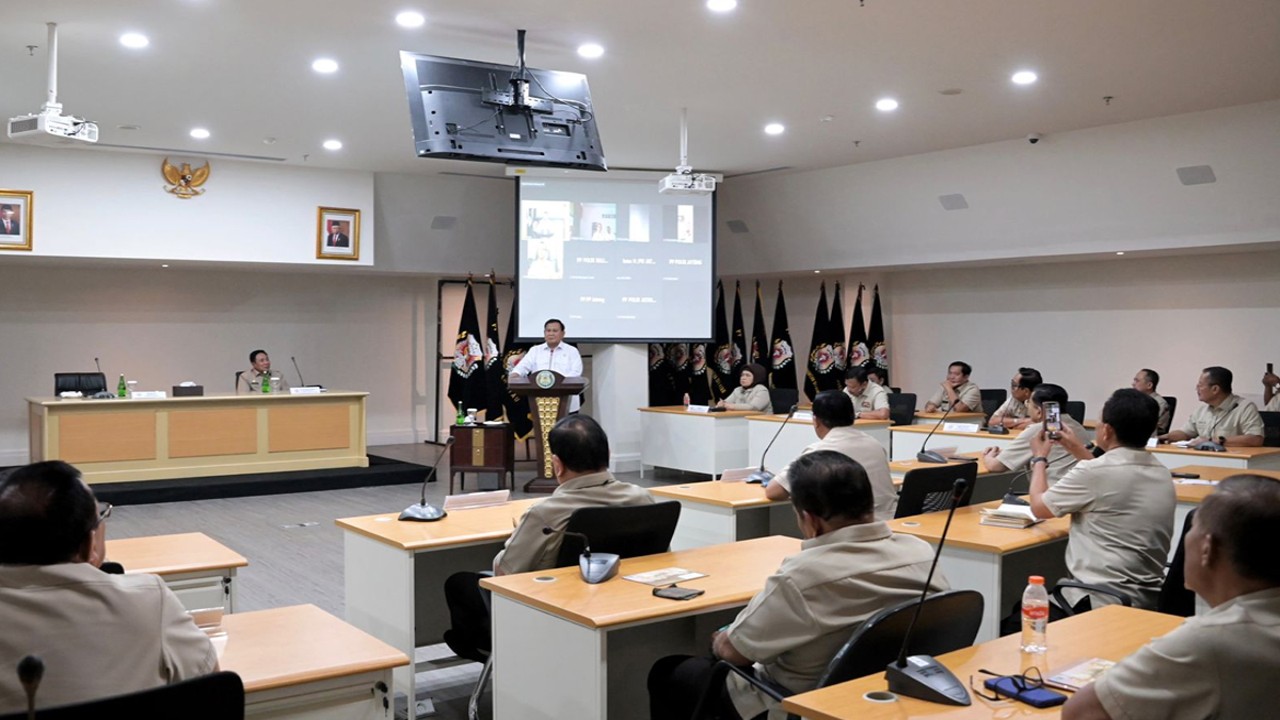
<point x="443" y="222"/>
<point x="1196" y="175"/>
<point x="737" y="227"/>
<point x="954" y="201"/>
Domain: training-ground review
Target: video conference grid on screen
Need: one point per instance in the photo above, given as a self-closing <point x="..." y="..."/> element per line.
<point x="615" y="260"/>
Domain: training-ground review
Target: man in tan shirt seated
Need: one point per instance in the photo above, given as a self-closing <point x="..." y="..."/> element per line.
<point x="1224" y="663"/>
<point x="956" y="392"/>
<point x="1224" y="418"/>
<point x="1270" y="398"/>
<point x="849" y="567"/>
<point x="1014" y="413"/>
<point x="251" y="380"/>
<point x="870" y="400"/>
<point x="1017" y="454"/>
<point x="1146" y="382"/>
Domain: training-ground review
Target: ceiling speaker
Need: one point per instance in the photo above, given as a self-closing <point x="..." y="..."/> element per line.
<point x="953" y="202"/>
<point x="737" y="227"/>
<point x="443" y="222"/>
<point x="1197" y="175"/>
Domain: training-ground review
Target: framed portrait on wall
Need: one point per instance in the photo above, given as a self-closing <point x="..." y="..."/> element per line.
<point x="337" y="234"/>
<point x="15" y="219"/>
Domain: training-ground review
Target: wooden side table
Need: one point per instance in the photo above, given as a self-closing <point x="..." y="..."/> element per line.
<point x="482" y="448"/>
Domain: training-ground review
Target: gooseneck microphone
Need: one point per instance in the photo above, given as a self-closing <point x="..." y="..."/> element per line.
<point x="30" y="673"/>
<point x="929" y="456"/>
<point x="422" y="512"/>
<point x="301" y="382"/>
<point x="763" y="476"/>
<point x="98" y="364"/>
<point x="921" y="676"/>
<point x="596" y="568"/>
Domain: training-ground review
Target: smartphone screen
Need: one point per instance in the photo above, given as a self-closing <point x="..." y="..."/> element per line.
<point x="1052" y="417"/>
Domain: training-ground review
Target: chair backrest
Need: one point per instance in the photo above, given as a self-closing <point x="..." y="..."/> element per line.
<point x="902" y="408"/>
<point x="87" y="383"/>
<point x="1075" y="408"/>
<point x="948" y="621"/>
<point x="219" y="696"/>
<point x="783" y="398"/>
<point x="236" y="385"/>
<point x="1175" y="598"/>
<point x="992" y="399"/>
<point x="929" y="489"/>
<point x="1173" y="409"/>
<point x="1270" y="428"/>
<point x="628" y="530"/>
<point x="893" y="389"/>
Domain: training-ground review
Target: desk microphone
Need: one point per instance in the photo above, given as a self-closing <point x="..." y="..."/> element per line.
<point x="921" y="676"/>
<point x="422" y="512"/>
<point x="30" y="673"/>
<point x="95" y="362"/>
<point x="301" y="382"/>
<point x="596" y="568"/>
<point x="763" y="476"/>
<point x="929" y="456"/>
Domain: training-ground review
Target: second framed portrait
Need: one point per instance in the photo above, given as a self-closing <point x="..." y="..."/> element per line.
<point x="15" y="219"/>
<point x="337" y="234"/>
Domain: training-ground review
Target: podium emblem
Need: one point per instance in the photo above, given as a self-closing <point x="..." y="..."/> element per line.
<point x="544" y="379"/>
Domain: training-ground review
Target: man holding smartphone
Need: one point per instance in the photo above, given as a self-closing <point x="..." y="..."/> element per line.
<point x="1224" y="418"/>
<point x="1270" y="398"/>
<point x="1017" y="454"/>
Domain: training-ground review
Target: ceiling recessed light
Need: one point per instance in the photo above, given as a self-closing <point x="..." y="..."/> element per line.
<point x="332" y="144"/>
<point x="134" y="40"/>
<point x="816" y="272"/>
<point x="590" y="50"/>
<point x="886" y="104"/>
<point x="1120" y="252"/>
<point x="325" y="65"/>
<point x="165" y="265"/>
<point x="775" y="128"/>
<point x="199" y="133"/>
<point x="722" y="5"/>
<point x="1023" y="77"/>
<point x="410" y="19"/>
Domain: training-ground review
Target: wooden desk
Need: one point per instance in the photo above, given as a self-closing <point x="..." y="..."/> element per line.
<point x="796" y="436"/>
<point x="1112" y="632"/>
<point x="994" y="561"/>
<point x="712" y="513"/>
<point x="301" y="662"/>
<point x="482" y="448"/>
<point x="200" y="570"/>
<point x="1239" y="458"/>
<point x="607" y="636"/>
<point x="929" y="419"/>
<point x="395" y="572"/>
<point x="1190" y="493"/>
<point x="128" y="440"/>
<point x="707" y="443"/>
<point x="906" y="440"/>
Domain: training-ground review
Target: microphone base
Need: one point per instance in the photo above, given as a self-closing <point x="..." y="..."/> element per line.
<point x="997" y="430"/>
<point x="924" y="678"/>
<point x="760" y="477"/>
<point x="595" y="568"/>
<point x="929" y="456"/>
<point x="422" y="512"/>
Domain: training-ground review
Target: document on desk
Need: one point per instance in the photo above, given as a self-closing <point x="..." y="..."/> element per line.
<point x="665" y="576"/>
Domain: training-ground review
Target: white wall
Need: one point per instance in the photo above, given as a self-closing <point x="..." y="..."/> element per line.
<point x="482" y="238"/>
<point x="100" y="204"/>
<point x="1090" y="191"/>
<point x="360" y="332"/>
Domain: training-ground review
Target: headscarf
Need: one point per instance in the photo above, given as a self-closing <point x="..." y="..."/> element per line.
<point x="757" y="374"/>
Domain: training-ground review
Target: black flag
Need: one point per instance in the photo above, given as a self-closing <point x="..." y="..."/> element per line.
<point x="662" y="381"/>
<point x="836" y="333"/>
<point x="494" y="373"/>
<point x="722" y="382"/>
<point x="760" y="338"/>
<point x="879" y="347"/>
<point x="517" y="406"/>
<point x="466" y="381"/>
<point x="819" y="365"/>
<point x="678" y="359"/>
<point x="782" y="363"/>
<point x="739" y="349"/>
<point x="699" y="388"/>
<point x="859" y="354"/>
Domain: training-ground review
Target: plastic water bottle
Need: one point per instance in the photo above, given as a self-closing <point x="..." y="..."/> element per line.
<point x="1035" y="615"/>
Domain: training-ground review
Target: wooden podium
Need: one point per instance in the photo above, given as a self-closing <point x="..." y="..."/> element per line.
<point x="549" y="394"/>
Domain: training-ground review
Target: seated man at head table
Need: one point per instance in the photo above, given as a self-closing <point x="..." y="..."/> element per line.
<point x="752" y="392"/>
<point x="1221" y="664"/>
<point x="849" y="567"/>
<point x="956" y="393"/>
<point x="870" y="400"/>
<point x="879" y="376"/>
<point x="1121" y="503"/>
<point x="1270" y="398"/>
<point x="99" y="635"/>
<point x="1223" y="418"/>
<point x="553" y="354"/>
<point x="1017" y="454"/>
<point x="1146" y="382"/>
<point x="833" y="424"/>
<point x="580" y="461"/>
<point x="1014" y="413"/>
<point x="259" y="370"/>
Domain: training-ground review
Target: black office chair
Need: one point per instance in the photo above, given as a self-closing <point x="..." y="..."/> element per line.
<point x="992" y="400"/>
<point x="1074" y="408"/>
<point x="895" y="389"/>
<point x="929" y="489"/>
<point x="86" y="383"/>
<point x="783" y="398"/>
<point x="1270" y="428"/>
<point x="948" y="621"/>
<point x="902" y="408"/>
<point x="1173" y="409"/>
<point x="219" y="696"/>
<point x="236" y="385"/>
<point x="628" y="531"/>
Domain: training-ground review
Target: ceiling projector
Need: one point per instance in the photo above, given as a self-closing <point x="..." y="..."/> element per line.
<point x="687" y="184"/>
<point x="50" y="127"/>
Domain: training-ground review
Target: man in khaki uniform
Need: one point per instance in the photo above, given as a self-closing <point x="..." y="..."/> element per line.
<point x="1224" y="418"/>
<point x="1223" y="663"/>
<point x="580" y="460"/>
<point x="1017" y="454"/>
<point x="1270" y="398"/>
<point x="1014" y="413"/>
<point x="850" y="566"/>
<point x="1121" y="504"/>
<point x="956" y="392"/>
<point x="250" y="381"/>
<point x="1146" y="382"/>
<point x="833" y="424"/>
<point x="870" y="401"/>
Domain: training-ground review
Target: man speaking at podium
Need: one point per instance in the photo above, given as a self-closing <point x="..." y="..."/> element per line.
<point x="554" y="354"/>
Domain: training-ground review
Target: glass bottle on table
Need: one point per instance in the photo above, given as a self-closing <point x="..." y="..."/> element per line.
<point x="122" y="388"/>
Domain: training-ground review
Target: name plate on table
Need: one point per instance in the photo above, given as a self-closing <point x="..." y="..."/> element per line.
<point x="960" y="427"/>
<point x="469" y="501"/>
<point x="802" y="415"/>
<point x="736" y="475"/>
<point x="149" y="395"/>
<point x="305" y="390"/>
<point x="698" y="408"/>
